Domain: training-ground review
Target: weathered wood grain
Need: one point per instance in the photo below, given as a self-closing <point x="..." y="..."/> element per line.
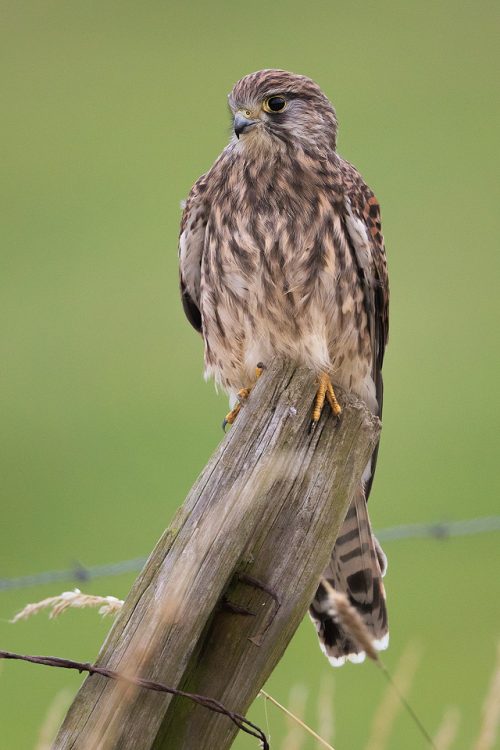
<point x="269" y="503"/>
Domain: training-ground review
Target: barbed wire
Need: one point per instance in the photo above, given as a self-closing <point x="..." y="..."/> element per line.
<point x="441" y="530"/>
<point x="202" y="700"/>
<point x="80" y="573"/>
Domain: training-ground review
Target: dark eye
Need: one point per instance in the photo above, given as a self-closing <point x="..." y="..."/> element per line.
<point x="274" y="104"/>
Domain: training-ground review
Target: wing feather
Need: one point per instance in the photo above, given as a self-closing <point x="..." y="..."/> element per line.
<point x="191" y="243"/>
<point x="364" y="232"/>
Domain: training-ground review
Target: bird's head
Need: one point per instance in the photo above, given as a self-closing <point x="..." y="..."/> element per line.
<point x="274" y="109"/>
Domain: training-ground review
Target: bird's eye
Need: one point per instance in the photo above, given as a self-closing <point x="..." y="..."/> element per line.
<point x="274" y="104"/>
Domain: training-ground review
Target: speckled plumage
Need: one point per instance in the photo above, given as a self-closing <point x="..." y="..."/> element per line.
<point x="281" y="252"/>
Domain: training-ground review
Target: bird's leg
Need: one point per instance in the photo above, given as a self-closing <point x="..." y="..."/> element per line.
<point x="332" y="399"/>
<point x="325" y="392"/>
<point x="231" y="416"/>
<point x="242" y="396"/>
<point x="319" y="400"/>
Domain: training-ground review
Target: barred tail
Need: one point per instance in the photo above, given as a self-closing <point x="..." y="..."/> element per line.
<point x="356" y="569"/>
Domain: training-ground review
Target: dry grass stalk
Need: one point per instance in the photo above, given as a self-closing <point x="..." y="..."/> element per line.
<point x="108" y="605"/>
<point x="448" y="729"/>
<point x="385" y="717"/>
<point x="304" y="726"/>
<point x="349" y="618"/>
<point x="491" y="712"/>
<point x="297" y="700"/>
<point x="325" y="706"/>
<point x="53" y="718"/>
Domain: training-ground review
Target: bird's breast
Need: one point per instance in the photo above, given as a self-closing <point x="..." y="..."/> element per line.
<point x="279" y="282"/>
<point x="275" y="251"/>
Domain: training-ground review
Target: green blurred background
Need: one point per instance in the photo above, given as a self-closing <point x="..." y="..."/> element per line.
<point x="110" y="111"/>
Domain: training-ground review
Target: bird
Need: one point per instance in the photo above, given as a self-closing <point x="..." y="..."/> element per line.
<point x="281" y="252"/>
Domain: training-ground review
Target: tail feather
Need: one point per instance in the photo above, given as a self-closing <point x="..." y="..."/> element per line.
<point x="356" y="569"/>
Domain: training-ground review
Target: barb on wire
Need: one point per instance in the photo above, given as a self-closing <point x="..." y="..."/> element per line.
<point x="81" y="573"/>
<point x="77" y="573"/>
<point x="202" y="700"/>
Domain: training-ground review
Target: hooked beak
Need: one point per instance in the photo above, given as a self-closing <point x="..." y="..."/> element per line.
<point x="242" y="124"/>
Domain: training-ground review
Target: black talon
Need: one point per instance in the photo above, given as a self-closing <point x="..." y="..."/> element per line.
<point x="312" y="427"/>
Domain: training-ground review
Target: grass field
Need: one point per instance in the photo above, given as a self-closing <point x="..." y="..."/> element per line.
<point x="110" y="111"/>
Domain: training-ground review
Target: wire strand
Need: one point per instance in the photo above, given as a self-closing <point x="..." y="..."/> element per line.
<point x="81" y="573"/>
<point x="213" y="705"/>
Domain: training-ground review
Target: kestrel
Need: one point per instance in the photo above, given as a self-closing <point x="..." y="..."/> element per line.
<point x="281" y="253"/>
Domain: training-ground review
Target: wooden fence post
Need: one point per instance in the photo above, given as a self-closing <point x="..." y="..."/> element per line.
<point x="268" y="505"/>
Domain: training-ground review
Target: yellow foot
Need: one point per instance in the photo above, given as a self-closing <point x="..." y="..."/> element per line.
<point x="242" y="394"/>
<point x="325" y="393"/>
<point x="231" y="416"/>
<point x="332" y="400"/>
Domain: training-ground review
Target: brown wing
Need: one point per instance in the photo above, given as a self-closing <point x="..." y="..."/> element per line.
<point x="367" y="244"/>
<point x="364" y="230"/>
<point x="358" y="563"/>
<point x="369" y="210"/>
<point x="191" y="242"/>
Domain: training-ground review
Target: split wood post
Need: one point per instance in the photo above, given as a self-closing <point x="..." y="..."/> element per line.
<point x="268" y="504"/>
